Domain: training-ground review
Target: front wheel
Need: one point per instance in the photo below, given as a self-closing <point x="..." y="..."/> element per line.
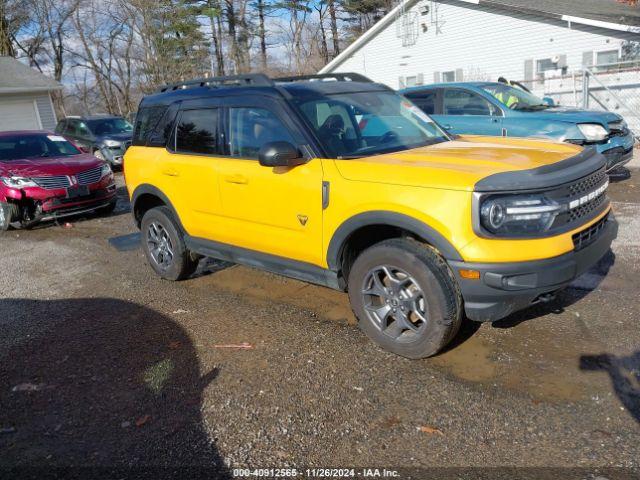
<point x="405" y="298"/>
<point x="164" y="246"/>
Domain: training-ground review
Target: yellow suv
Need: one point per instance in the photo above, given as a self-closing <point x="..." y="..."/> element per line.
<point x="342" y="182"/>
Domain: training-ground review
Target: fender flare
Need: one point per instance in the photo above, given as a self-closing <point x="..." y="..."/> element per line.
<point x="146" y="189"/>
<point x="418" y="228"/>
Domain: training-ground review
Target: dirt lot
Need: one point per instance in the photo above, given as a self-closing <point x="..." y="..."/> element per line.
<point x="104" y="364"/>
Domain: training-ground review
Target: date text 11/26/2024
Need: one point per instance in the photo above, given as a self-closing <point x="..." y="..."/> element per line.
<point x="315" y="473"/>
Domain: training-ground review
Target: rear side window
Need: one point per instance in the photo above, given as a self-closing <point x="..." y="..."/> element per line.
<point x="426" y="101"/>
<point x="197" y="131"/>
<point x="146" y="120"/>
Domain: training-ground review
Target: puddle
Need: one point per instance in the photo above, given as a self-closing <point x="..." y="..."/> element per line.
<point x="126" y="243"/>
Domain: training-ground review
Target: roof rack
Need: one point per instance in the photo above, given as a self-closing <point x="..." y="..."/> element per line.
<point x="340" y="77"/>
<point x="250" y="79"/>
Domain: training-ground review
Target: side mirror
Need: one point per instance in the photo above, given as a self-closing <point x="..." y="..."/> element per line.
<point x="549" y="101"/>
<point x="279" y="154"/>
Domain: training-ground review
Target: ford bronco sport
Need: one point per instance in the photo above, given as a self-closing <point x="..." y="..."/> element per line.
<point x="339" y="181"/>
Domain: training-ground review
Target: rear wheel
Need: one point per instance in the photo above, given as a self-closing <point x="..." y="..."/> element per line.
<point x="405" y="298"/>
<point x="164" y="247"/>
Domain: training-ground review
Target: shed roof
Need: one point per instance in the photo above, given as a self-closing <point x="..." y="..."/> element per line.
<point x="16" y="77"/>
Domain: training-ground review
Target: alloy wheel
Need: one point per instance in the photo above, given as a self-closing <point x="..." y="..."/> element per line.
<point x="394" y="303"/>
<point x="160" y="245"/>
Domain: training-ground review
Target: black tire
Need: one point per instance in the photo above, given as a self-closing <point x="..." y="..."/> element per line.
<point x="8" y="214"/>
<point x="182" y="263"/>
<point x="424" y="274"/>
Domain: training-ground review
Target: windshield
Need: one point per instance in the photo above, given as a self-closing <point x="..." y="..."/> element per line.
<point x="108" y="126"/>
<point x="352" y="125"/>
<point x="17" y="147"/>
<point x="515" y="98"/>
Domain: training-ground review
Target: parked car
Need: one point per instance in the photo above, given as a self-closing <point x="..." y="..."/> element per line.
<point x="487" y="108"/>
<point x="347" y="184"/>
<point x="44" y="177"/>
<point x="106" y="137"/>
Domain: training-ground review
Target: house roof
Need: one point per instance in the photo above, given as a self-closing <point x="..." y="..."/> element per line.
<point x="608" y="14"/>
<point x="16" y="77"/>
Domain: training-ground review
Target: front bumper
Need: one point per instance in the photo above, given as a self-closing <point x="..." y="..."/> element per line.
<point x="618" y="150"/>
<point x="113" y="155"/>
<point x="504" y="288"/>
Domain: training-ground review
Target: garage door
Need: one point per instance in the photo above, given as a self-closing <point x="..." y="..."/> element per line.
<point x="18" y="115"/>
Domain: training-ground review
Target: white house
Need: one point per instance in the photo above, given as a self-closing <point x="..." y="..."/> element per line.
<point x="427" y="41"/>
<point x="25" y="97"/>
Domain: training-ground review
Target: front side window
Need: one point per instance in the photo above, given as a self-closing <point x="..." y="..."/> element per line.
<point x="515" y="98"/>
<point x="82" y="130"/>
<point x="464" y="102"/>
<point x="17" y="147"/>
<point x="368" y="123"/>
<point x="197" y="132"/>
<point x="251" y="127"/>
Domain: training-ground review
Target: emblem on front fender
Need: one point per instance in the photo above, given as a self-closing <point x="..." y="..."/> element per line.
<point x="303" y="219"/>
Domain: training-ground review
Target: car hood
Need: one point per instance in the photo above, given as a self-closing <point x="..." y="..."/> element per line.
<point x="458" y="164"/>
<point x="576" y="115"/>
<point x="119" y="137"/>
<point x="40" y="167"/>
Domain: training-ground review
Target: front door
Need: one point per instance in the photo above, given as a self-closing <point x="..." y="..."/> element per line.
<point x="466" y="112"/>
<point x="274" y="210"/>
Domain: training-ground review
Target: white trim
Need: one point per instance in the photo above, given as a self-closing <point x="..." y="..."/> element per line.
<point x="53" y="110"/>
<point x="364" y="38"/>
<point x="598" y="23"/>
<point x="35" y="107"/>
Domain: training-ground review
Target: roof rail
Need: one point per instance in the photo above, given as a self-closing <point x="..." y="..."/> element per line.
<point x="250" y="79"/>
<point x="340" y="77"/>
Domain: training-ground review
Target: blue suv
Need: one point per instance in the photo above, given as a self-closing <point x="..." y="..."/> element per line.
<point x="498" y="109"/>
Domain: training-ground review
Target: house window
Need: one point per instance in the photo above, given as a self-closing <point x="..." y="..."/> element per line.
<point x="411" y="81"/>
<point x="606" y="59"/>
<point x="449" y="76"/>
<point x="545" y="64"/>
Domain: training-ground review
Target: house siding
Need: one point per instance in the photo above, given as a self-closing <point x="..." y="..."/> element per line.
<point x="478" y="43"/>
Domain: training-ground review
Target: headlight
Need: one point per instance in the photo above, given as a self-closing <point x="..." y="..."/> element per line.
<point x="518" y="215"/>
<point x="111" y="143"/>
<point x="593" y="132"/>
<point x="106" y="170"/>
<point x="18" y="182"/>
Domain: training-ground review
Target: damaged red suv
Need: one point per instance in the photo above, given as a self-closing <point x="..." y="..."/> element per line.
<point x="44" y="177"/>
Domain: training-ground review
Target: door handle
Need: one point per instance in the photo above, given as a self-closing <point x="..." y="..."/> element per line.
<point x="237" y="179"/>
<point x="170" y="172"/>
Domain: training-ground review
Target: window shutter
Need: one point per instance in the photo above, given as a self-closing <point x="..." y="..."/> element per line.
<point x="587" y="58"/>
<point x="436" y="77"/>
<point x="459" y="75"/>
<point x="420" y="80"/>
<point x="528" y="69"/>
<point x="400" y="82"/>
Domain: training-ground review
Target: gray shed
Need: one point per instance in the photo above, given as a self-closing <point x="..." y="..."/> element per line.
<point x="25" y="97"/>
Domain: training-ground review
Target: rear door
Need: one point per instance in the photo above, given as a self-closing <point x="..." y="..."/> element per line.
<point x="467" y="112"/>
<point x="275" y="210"/>
<point x="188" y="168"/>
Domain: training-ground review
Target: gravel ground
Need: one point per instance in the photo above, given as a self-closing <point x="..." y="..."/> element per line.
<point x="103" y="364"/>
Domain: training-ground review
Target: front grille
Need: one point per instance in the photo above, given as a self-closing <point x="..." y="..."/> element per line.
<point x="52" y="182"/>
<point x="617" y="129"/>
<point x="589" y="235"/>
<point x="89" y="176"/>
<point x="588" y="183"/>
<point x="587" y="208"/>
<point x="566" y="194"/>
